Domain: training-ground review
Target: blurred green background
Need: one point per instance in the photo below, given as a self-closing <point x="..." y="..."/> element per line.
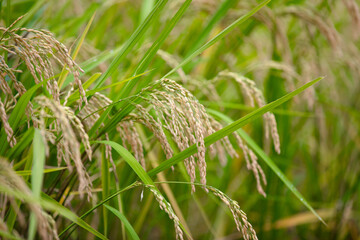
<point x="283" y="46"/>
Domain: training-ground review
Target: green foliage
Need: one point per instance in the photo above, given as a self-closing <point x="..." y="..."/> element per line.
<point x="98" y="107"/>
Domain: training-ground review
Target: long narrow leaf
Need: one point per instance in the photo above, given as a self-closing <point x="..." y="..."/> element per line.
<point x="29" y="172"/>
<point x="123" y="219"/>
<point x="99" y="205"/>
<point x="215" y="18"/>
<point x="105" y="181"/>
<point x="130" y="159"/>
<point x="36" y="175"/>
<point x="75" y="95"/>
<point x="65" y="72"/>
<point x="8" y="235"/>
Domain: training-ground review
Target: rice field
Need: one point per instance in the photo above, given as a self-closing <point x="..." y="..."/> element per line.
<point x="183" y="119"/>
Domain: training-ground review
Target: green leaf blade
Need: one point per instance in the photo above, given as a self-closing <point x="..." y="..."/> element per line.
<point x="124" y="220"/>
<point x="36" y="175"/>
<point x="129" y="158"/>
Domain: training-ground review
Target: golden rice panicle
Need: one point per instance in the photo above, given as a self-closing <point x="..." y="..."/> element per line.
<point x="142" y="116"/>
<point x="18" y="86"/>
<point x="176" y="123"/>
<point x="252" y="164"/>
<point x="197" y="117"/>
<point x="222" y="146"/>
<point x="77" y="124"/>
<point x="242" y="224"/>
<point x="48" y="133"/>
<point x="69" y="147"/>
<point x="165" y="206"/>
<point x="36" y="48"/>
<point x="4" y="86"/>
<point x="4" y="228"/>
<point x="245" y="87"/>
<point x="251" y="160"/>
<point x="8" y="130"/>
<point x="89" y="112"/>
<point x="179" y="112"/>
<point x="10" y="180"/>
<point x="129" y="134"/>
<point x="108" y="155"/>
<point x="250" y="89"/>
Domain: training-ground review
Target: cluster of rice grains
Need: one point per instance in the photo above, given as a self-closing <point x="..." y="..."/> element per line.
<point x="63" y="130"/>
<point x="240" y="218"/>
<point x="254" y="96"/>
<point x="36" y="49"/>
<point x="174" y="109"/>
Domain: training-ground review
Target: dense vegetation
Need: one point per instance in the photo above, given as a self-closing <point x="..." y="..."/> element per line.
<point x="159" y="119"/>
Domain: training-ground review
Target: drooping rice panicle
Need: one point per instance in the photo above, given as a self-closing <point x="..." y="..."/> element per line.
<point x="250" y="88"/>
<point x="34" y="48"/>
<point x="8" y="130"/>
<point x="165" y="206"/>
<point x="129" y="134"/>
<point x="69" y="147"/>
<point x="242" y="224"/>
<point x="183" y="116"/>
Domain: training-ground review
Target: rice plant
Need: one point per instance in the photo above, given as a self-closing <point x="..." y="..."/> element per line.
<point x="179" y="119"/>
